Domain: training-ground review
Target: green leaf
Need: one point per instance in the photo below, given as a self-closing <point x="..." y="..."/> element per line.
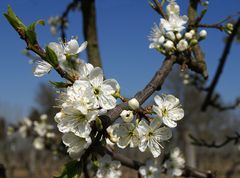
<point x="51" y="57"/>
<point x="30" y="32"/>
<point x="72" y="169"/>
<point x="59" y="84"/>
<point x="14" y="20"/>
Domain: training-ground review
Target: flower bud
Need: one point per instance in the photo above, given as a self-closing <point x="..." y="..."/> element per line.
<point x="188" y="36"/>
<point x="161" y="40"/>
<point x="169" y="45"/>
<point x="170" y="35"/>
<point x="133" y="103"/>
<point x="193" y="42"/>
<point x="173" y="8"/>
<point x="182" y="45"/>
<point x="178" y="36"/>
<point x="203" y="34"/>
<point x="127" y="115"/>
<point x="192" y="32"/>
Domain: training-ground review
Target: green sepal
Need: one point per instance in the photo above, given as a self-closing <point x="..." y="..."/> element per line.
<point x="30" y="32"/>
<point x="14" y="20"/>
<point x="51" y="57"/>
<point x="99" y="124"/>
<point x="59" y="84"/>
<point x="72" y="169"/>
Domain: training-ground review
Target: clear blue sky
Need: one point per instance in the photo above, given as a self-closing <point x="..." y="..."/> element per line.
<point x="123" y="27"/>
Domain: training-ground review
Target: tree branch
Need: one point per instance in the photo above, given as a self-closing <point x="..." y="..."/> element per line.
<point x="154" y="85"/>
<point x="197" y="51"/>
<point x="221" y="65"/>
<point x="90" y="32"/>
<point x="203" y="143"/>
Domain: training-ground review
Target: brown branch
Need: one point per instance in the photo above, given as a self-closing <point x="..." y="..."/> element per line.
<point x="221" y="65"/>
<point x="39" y="51"/>
<point x="158" y="8"/>
<point x="197" y="51"/>
<point x="154" y="85"/>
<point x="71" y="6"/>
<point x="203" y="143"/>
<point x="2" y="171"/>
<point x="90" y="32"/>
<point x="188" y="171"/>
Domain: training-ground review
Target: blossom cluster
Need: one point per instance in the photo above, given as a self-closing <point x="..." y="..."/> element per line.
<point x="174" y="166"/>
<point x="39" y="130"/>
<point x="89" y="97"/>
<point x="169" y="37"/>
<point x="147" y="134"/>
<point x="55" y="22"/>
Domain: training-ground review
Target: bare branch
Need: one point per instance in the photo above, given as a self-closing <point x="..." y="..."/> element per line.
<point x="221" y="65"/>
<point x="203" y="143"/>
<point x="90" y="32"/>
<point x="158" y="8"/>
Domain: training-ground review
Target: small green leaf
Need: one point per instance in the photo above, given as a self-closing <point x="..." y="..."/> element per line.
<point x="72" y="169"/>
<point x="59" y="84"/>
<point x="51" y="57"/>
<point x="30" y="32"/>
<point x="14" y="20"/>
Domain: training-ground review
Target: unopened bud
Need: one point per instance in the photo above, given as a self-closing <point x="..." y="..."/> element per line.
<point x="133" y="103"/>
<point x="203" y="34"/>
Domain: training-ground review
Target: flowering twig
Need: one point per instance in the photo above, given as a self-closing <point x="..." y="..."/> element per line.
<point x="221" y="65"/>
<point x="154" y="85"/>
<point x="203" y="143"/>
<point x="192" y="14"/>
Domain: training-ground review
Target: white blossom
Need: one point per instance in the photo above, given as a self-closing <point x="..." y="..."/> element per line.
<point x="151" y="136"/>
<point x="127" y="115"/>
<point x="182" y="45"/>
<point x="113" y="138"/>
<point x="80" y="96"/>
<point x="76" y="145"/>
<point x="58" y="50"/>
<point x="103" y="90"/>
<point x="133" y="103"/>
<point x="168" y="109"/>
<point x="175" y="163"/>
<point x="175" y="23"/>
<point x="73" y="120"/>
<point x="41" y="68"/>
<point x="157" y="36"/>
<point x="150" y="170"/>
<point x="72" y="47"/>
<point x="38" y="143"/>
<point x="127" y="134"/>
<point x="108" y="168"/>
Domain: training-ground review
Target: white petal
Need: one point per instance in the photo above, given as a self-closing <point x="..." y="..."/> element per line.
<point x="96" y="77"/>
<point x="168" y="122"/>
<point x="82" y="47"/>
<point x="107" y="102"/>
<point x="113" y="83"/>
<point x="41" y="68"/>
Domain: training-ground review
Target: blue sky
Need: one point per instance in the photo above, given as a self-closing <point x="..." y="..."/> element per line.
<point x="123" y="27"/>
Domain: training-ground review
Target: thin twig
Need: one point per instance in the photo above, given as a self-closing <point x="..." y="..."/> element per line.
<point x="203" y="143"/>
<point x="221" y="65"/>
